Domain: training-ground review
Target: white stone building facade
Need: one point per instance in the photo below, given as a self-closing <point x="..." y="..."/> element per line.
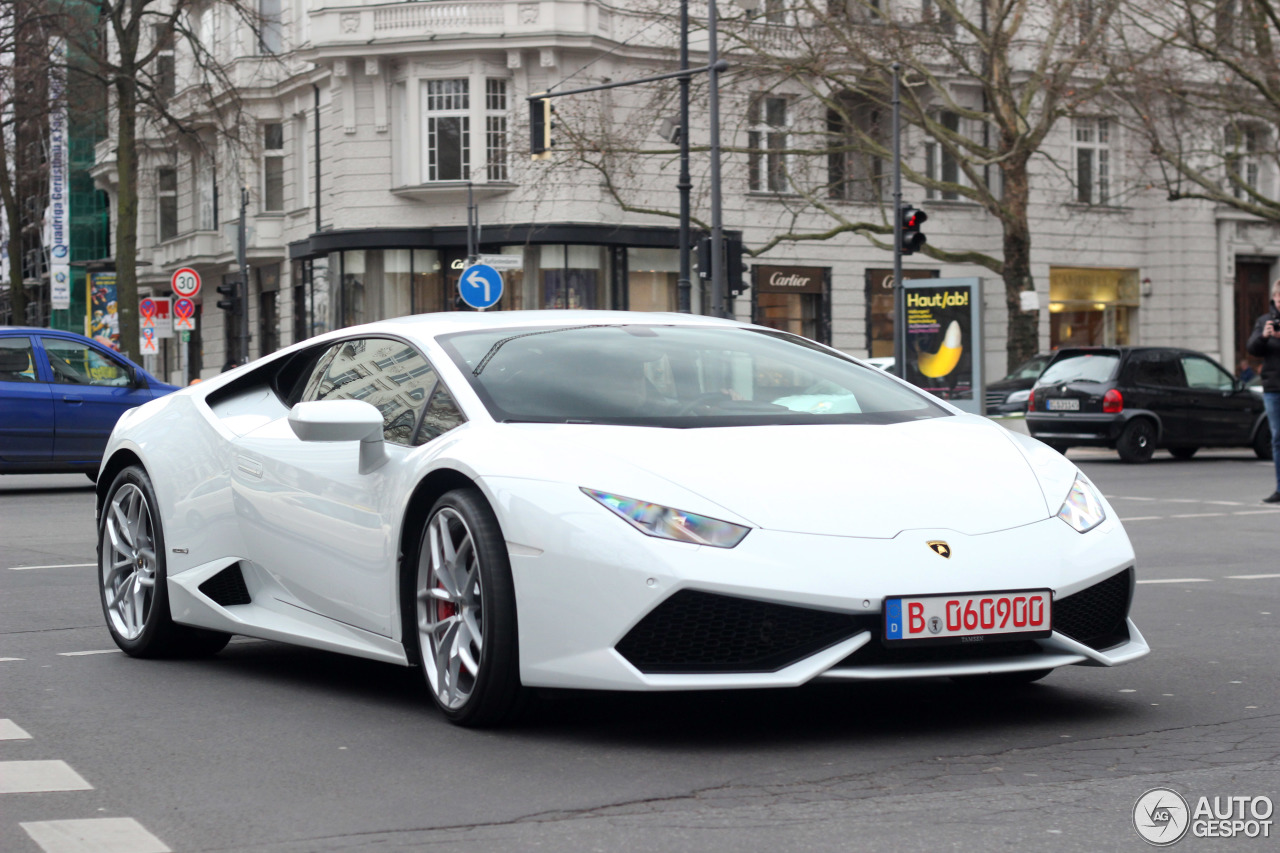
<point x="365" y="122"/>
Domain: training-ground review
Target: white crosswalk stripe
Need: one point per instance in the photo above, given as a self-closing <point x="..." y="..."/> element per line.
<point x="95" y="835"/>
<point x="9" y="730"/>
<point x="31" y="777"/>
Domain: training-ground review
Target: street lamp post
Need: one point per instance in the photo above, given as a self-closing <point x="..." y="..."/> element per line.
<point x="684" y="287"/>
<point x="899" y="294"/>
<point x="718" y="287"/>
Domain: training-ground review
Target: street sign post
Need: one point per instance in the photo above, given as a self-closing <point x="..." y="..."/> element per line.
<point x="186" y="282"/>
<point x="184" y="316"/>
<point x="480" y="286"/>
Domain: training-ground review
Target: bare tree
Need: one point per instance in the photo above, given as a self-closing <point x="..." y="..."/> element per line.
<point x="163" y="75"/>
<point x="984" y="84"/>
<point x="1203" y="80"/>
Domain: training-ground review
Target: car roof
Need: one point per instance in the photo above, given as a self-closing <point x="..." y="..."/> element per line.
<point x="461" y="321"/>
<point x="1128" y="349"/>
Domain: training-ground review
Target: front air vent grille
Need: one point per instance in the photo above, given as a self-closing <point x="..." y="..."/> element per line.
<point x="227" y="587"/>
<point x="695" y="632"/>
<point x="1096" y="615"/>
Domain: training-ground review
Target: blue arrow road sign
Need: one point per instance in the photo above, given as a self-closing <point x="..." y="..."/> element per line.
<point x="480" y="286"/>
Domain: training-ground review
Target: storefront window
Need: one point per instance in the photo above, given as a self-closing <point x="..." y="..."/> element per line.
<point x="1092" y="307"/>
<point x="428" y="282"/>
<point x="652" y="278"/>
<point x="573" y="277"/>
<point x="880" y="308"/>
<point x="397" y="273"/>
<point x="791" y="299"/>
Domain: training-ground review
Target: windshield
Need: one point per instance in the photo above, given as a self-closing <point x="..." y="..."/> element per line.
<point x="675" y="376"/>
<point x="1080" y="367"/>
<point x="1030" y="369"/>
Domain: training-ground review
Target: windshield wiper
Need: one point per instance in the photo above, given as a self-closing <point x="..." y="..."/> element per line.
<point x="493" y="350"/>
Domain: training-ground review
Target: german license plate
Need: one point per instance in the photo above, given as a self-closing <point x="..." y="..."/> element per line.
<point x="970" y="617"/>
<point x="1064" y="405"/>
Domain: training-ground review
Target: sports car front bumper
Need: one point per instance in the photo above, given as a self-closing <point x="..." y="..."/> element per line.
<point x="585" y="581"/>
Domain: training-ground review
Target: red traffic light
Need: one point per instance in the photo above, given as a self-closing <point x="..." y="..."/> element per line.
<point x="912" y="239"/>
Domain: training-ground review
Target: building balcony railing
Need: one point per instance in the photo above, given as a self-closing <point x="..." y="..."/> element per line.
<point x="357" y="22"/>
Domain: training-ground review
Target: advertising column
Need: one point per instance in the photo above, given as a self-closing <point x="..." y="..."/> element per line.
<point x="944" y="339"/>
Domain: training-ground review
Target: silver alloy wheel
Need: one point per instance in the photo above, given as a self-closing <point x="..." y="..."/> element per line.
<point x="450" y="610"/>
<point x="128" y="561"/>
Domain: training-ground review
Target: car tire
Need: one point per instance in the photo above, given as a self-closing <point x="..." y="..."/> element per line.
<point x="464" y="613"/>
<point x="132" y="576"/>
<point x="1262" y="442"/>
<point x="1183" y="452"/>
<point x="1001" y="679"/>
<point x="1137" y="441"/>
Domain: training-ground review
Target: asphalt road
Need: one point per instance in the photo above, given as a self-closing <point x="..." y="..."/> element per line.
<point x="273" y="748"/>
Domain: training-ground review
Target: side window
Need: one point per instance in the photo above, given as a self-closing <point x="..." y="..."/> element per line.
<point x="1160" y="370"/>
<point x="388" y="374"/>
<point x="442" y="415"/>
<point x="75" y="363"/>
<point x="16" y="364"/>
<point x="1204" y="374"/>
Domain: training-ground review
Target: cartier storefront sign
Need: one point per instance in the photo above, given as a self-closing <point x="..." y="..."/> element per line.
<point x="789" y="279"/>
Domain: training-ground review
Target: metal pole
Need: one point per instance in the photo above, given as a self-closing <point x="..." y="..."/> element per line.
<point x="717" y="223"/>
<point x="471" y="239"/>
<point x="899" y="295"/>
<point x="242" y="257"/>
<point x="684" y="287"/>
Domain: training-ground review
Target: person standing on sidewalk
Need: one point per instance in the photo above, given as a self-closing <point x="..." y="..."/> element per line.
<point x="1264" y="343"/>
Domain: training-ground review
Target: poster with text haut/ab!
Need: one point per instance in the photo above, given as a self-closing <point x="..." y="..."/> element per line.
<point x="940" y="344"/>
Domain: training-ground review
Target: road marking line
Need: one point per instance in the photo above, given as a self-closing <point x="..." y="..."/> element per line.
<point x="1250" y="577"/>
<point x="62" y="566"/>
<point x="94" y="835"/>
<point x="1258" y="512"/>
<point x="9" y="730"/>
<point x="1181" y="500"/>
<point x="1175" y="580"/>
<point x="91" y="652"/>
<point x="29" y="777"/>
<point x="1144" y="518"/>
<point x="1226" y="503"/>
<point x="2" y="660"/>
<point x="1200" y="515"/>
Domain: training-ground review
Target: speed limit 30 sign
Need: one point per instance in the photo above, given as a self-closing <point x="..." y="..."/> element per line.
<point x="186" y="282"/>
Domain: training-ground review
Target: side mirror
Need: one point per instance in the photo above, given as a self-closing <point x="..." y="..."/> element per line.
<point x="342" y="420"/>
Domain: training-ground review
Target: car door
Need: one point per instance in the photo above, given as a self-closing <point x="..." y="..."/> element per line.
<point x="91" y="390"/>
<point x="1157" y="385"/>
<point x="325" y="531"/>
<point x="26" y="406"/>
<point x="1223" y="412"/>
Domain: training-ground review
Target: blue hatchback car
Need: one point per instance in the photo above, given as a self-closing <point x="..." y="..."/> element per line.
<point x="60" y="396"/>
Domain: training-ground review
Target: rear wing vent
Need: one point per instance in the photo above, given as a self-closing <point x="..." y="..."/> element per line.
<point x="227" y="587"/>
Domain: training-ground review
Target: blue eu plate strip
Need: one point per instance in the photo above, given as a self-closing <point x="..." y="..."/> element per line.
<point x="893" y="619"/>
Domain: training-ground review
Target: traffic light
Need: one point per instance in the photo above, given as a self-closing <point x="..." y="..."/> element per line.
<point x="736" y="272"/>
<point x="541" y="114"/>
<point x="912" y="239"/>
<point x="230" y="289"/>
<point x="702" y="255"/>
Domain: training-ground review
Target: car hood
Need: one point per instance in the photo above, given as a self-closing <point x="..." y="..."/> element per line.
<point x="958" y="473"/>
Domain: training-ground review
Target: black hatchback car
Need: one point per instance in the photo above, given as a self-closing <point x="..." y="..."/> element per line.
<point x="1138" y="399"/>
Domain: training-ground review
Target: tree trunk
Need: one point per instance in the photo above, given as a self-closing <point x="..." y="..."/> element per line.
<point x="1023" y="326"/>
<point x="13" y="215"/>
<point x="126" y="248"/>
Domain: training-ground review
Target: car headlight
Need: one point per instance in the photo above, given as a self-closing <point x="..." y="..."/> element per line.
<point x="1083" y="507"/>
<point x="667" y="523"/>
<point x="1018" y="396"/>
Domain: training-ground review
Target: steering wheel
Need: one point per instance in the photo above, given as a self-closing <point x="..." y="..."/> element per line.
<point x="703" y="400"/>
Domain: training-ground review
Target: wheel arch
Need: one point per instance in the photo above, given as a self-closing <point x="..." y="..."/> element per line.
<point x="119" y="460"/>
<point x="1147" y="414"/>
<point x="425" y="494"/>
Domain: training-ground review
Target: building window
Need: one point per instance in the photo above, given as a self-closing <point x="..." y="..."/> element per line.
<point x="273" y="167"/>
<point x="206" y="193"/>
<point x="1244" y="150"/>
<point x="165" y="78"/>
<point x="301" y="162"/>
<point x="940" y="162"/>
<point x="271" y="27"/>
<point x="767" y="139"/>
<point x="1093" y="160"/>
<point x="495" y="127"/>
<point x="167" y="202"/>
<point x="933" y="14"/>
<point x="447" y="130"/>
<point x="854" y="172"/>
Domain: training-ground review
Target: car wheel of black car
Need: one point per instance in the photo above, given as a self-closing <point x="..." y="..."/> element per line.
<point x="1183" y="452"/>
<point x="464" y="607"/>
<point x="1262" y="441"/>
<point x="1137" y="441"/>
<point x="132" y="574"/>
<point x="1001" y="679"/>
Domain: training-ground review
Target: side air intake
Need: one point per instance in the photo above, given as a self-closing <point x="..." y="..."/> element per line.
<point x="227" y="587"/>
